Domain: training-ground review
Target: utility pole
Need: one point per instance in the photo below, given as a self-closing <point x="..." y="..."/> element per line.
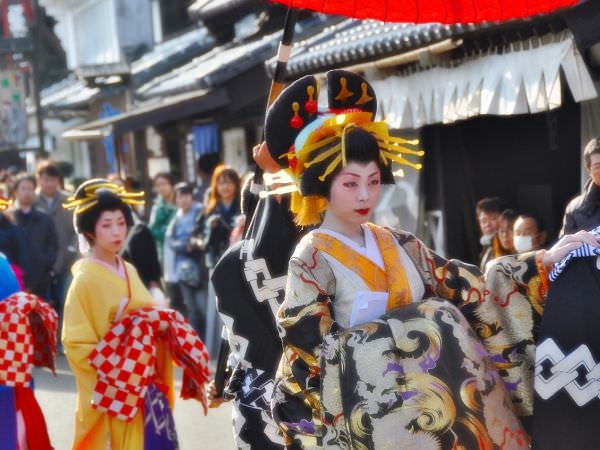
<point x="35" y="68"/>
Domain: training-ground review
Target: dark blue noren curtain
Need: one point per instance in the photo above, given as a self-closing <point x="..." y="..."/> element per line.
<point x="206" y="138"/>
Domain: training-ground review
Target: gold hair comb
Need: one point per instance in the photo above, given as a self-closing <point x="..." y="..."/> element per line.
<point x="391" y="148"/>
<point x="92" y="194"/>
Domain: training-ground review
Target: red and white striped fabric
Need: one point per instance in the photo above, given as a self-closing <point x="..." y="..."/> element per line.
<point x="27" y="338"/>
<point x="125" y="360"/>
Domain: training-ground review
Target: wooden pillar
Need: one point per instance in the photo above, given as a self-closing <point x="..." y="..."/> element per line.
<point x="141" y="165"/>
<point x="118" y="152"/>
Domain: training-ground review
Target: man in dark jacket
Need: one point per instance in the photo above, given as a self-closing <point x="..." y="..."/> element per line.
<point x="40" y="235"/>
<point x="583" y="212"/>
<point x="49" y="200"/>
<point x="488" y="212"/>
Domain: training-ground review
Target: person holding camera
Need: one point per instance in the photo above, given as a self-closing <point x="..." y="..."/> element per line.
<point x="182" y="260"/>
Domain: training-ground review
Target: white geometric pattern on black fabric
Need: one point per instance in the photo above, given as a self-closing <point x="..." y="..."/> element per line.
<point x="264" y="286"/>
<point x="238" y="344"/>
<point x="584" y="251"/>
<point x="271" y="429"/>
<point x="577" y="373"/>
<point x="257" y="389"/>
<point x="239" y="422"/>
<point x="251" y="411"/>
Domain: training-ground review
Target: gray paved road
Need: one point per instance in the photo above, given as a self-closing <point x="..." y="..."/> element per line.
<point x="57" y="399"/>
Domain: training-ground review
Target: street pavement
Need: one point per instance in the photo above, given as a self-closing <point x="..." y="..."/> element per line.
<point x="56" y="396"/>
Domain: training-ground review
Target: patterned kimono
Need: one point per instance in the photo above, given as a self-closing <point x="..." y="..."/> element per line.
<point x="417" y="377"/>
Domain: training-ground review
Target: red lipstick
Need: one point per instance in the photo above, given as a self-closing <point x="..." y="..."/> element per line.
<point x="363" y="211"/>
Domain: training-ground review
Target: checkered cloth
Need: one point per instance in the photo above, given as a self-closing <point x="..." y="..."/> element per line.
<point x="125" y="360"/>
<point x="27" y="338"/>
<point x="585" y="251"/>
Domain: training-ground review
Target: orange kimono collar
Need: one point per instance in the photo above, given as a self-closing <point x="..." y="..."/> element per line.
<point x="392" y="280"/>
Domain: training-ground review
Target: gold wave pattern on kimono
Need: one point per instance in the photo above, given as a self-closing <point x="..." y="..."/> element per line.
<point x="435" y="401"/>
<point x="420" y="327"/>
<point x="311" y="280"/>
<point x="319" y="309"/>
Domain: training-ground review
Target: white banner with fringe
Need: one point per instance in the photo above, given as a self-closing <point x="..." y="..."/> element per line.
<point x="526" y="79"/>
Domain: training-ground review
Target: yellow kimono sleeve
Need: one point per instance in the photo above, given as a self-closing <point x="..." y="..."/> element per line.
<point x="93" y="430"/>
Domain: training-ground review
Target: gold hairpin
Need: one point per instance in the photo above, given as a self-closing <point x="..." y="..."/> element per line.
<point x="92" y="194"/>
<point x="4" y="203"/>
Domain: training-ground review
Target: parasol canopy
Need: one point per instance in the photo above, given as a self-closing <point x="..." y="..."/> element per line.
<point x="425" y="11"/>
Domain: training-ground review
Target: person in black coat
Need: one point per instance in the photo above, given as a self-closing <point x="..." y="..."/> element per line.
<point x="566" y="405"/>
<point x="140" y="250"/>
<point x="583" y="212"/>
<point x="38" y="230"/>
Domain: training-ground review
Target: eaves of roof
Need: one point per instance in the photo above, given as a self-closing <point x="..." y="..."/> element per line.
<point x="170" y="54"/>
<point x="70" y="93"/>
<point x="356" y="41"/>
<point x="223" y="63"/>
<point x="73" y="93"/>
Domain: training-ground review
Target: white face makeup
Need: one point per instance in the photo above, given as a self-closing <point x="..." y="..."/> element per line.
<point x="354" y="193"/>
<point x="110" y="232"/>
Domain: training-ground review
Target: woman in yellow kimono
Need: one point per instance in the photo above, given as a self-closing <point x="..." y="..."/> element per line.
<point x="377" y="330"/>
<point x="103" y="290"/>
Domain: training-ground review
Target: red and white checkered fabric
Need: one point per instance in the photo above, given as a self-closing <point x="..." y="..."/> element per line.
<point x="27" y="338"/>
<point x="125" y="360"/>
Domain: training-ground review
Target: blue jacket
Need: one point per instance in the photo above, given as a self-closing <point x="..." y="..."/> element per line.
<point x="177" y="240"/>
<point x="8" y="282"/>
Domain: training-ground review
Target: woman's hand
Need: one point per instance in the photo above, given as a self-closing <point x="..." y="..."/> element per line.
<point x="211" y="395"/>
<point x="567" y="244"/>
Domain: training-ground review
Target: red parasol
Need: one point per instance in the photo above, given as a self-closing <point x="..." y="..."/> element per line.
<point x="424" y="11"/>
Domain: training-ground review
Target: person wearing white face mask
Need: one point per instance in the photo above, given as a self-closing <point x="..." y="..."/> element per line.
<point x="528" y="234"/>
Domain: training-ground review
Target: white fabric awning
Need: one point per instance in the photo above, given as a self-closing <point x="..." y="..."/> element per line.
<point x="525" y="80"/>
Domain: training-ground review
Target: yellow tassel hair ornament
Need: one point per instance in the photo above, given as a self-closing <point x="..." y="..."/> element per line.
<point x="307" y="209"/>
<point x="391" y="148"/>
